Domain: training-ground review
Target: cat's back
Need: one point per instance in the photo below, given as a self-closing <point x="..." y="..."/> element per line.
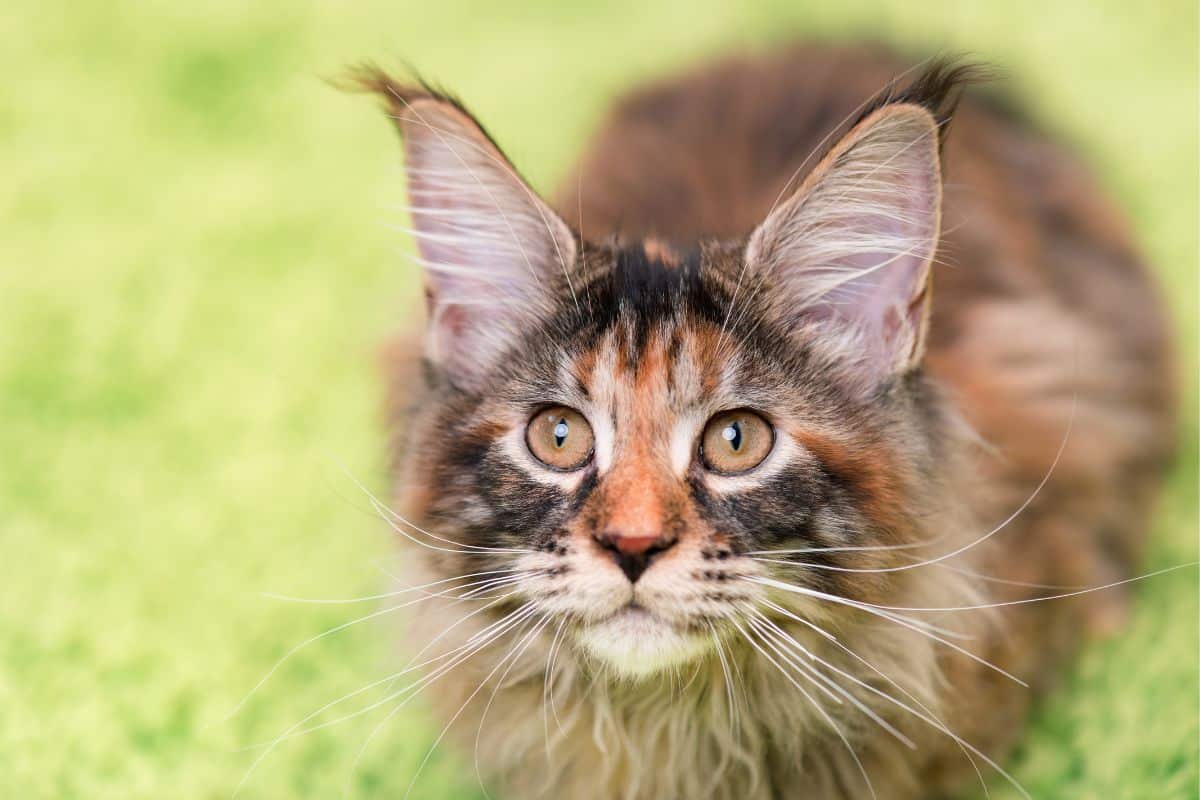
<point x="1044" y="317"/>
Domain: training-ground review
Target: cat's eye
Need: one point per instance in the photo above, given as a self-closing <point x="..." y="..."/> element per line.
<point x="735" y="441"/>
<point x="560" y="437"/>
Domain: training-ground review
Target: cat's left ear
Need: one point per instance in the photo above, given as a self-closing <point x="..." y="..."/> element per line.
<point x="849" y="253"/>
<point x="494" y="255"/>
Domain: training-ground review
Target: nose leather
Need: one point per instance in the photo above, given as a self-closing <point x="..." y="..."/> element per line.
<point x="633" y="553"/>
<point x="633" y="545"/>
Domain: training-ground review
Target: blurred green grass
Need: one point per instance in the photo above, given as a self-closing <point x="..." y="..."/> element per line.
<point x="195" y="269"/>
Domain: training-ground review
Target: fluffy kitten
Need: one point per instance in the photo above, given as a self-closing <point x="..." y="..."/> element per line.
<point x="746" y="459"/>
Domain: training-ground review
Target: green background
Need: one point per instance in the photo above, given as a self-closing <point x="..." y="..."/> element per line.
<point x="196" y="270"/>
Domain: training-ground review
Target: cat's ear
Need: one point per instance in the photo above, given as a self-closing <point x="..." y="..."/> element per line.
<point x="493" y="253"/>
<point x="850" y="251"/>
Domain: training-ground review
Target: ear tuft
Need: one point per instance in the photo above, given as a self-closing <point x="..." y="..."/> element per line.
<point x="938" y="88"/>
<point x="493" y="253"/>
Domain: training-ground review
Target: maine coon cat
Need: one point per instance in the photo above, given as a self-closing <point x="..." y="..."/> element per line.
<point x="736" y="469"/>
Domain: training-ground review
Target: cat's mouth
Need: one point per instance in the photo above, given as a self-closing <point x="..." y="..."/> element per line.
<point x="636" y="642"/>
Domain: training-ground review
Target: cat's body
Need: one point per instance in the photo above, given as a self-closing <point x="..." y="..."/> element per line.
<point x="1043" y="410"/>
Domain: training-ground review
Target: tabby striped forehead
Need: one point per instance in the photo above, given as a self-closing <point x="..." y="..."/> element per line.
<point x="656" y="359"/>
<point x="656" y="401"/>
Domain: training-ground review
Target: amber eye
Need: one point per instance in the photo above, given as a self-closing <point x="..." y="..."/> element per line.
<point x="560" y="437"/>
<point x="735" y="441"/>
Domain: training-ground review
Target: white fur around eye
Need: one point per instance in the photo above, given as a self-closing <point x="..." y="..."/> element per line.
<point x="603" y="390"/>
<point x="685" y="437"/>
<point x="604" y="435"/>
<point x="514" y="446"/>
<point x="784" y="452"/>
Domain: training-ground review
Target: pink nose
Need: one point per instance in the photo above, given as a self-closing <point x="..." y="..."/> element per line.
<point x="632" y="545"/>
<point x="633" y="554"/>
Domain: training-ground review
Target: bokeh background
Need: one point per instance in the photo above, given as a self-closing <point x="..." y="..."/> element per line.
<point x="195" y="272"/>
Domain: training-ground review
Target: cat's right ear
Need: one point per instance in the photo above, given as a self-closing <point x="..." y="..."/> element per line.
<point x="494" y="255"/>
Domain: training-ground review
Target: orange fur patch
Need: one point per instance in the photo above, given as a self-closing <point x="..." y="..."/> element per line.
<point x="658" y="250"/>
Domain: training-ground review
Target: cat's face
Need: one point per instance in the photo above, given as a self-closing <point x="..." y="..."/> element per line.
<point x="627" y="433"/>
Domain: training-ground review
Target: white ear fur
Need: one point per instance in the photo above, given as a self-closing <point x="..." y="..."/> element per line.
<point x="852" y="248"/>
<point x="491" y="250"/>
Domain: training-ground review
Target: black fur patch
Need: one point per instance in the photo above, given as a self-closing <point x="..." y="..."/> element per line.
<point x="938" y="89"/>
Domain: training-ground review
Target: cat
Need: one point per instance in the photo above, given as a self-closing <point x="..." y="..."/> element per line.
<point x="736" y="473"/>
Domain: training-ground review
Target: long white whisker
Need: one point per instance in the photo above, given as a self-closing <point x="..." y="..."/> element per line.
<point x="869" y="607"/>
<point x="384" y="511"/>
<point x="409" y="667"/>
<point x="848" y="548"/>
<point x="296" y="729"/>
<point x="790" y="659"/>
<point x="789" y="641"/>
<point x="523" y="644"/>
<point x="756" y="625"/>
<point x="457" y="656"/>
<point x="514" y="619"/>
<point x="829" y="636"/>
<point x="286" y="656"/>
<point x="1089" y="590"/>
<point x="385" y="595"/>
<point x="548" y="686"/>
<point x="820" y="710"/>
<point x="734" y="719"/>
<point x="495" y="690"/>
<point x="1020" y="509"/>
<point x="941" y="565"/>
<point x="928" y="720"/>
<point x="885" y="614"/>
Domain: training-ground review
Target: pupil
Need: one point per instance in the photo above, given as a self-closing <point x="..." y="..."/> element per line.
<point x="733" y="435"/>
<point x="560" y="432"/>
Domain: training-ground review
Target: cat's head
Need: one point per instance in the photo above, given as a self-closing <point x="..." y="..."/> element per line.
<point x="635" y="430"/>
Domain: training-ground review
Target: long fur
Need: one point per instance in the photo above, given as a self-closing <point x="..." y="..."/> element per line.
<point x="963" y="446"/>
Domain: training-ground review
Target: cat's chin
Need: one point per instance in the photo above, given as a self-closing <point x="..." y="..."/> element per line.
<point x="636" y="644"/>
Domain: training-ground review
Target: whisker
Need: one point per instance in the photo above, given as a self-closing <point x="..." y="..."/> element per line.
<point x="827" y="635"/>
<point x="329" y="632"/>
<point x="757" y="627"/>
<point x="936" y="724"/>
<point x="523" y="644"/>
<point x="292" y="731"/>
<point x="464" y="549"/>
<point x="1025" y="601"/>
<point x="375" y="731"/>
<point x="1020" y="509"/>
<point x="734" y="719"/>
<point x="409" y="667"/>
<point x="309" y="641"/>
<point x="384" y="596"/>
<point x="547" y="686"/>
<point x="488" y="707"/>
<point x="459" y="654"/>
<point x="790" y="641"/>
<point x="820" y="710"/>
<point x="912" y="625"/>
<point x="1005" y="581"/>
<point x="862" y="605"/>
<point x="495" y="583"/>
<point x="848" y="548"/>
<point x="384" y="511"/>
<point x="950" y="567"/>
